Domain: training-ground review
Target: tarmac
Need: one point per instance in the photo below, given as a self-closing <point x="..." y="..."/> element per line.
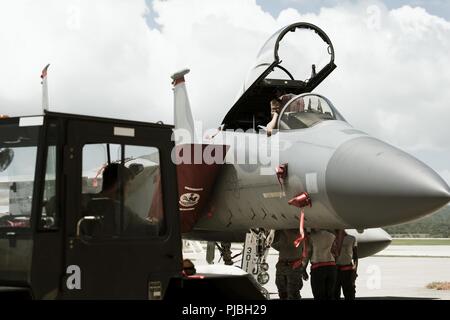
<point x="398" y="272"/>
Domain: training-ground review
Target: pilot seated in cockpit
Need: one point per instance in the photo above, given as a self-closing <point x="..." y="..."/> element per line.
<point x="277" y="104"/>
<point x="275" y="108"/>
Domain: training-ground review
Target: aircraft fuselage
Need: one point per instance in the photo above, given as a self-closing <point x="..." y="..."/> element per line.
<point x="354" y="181"/>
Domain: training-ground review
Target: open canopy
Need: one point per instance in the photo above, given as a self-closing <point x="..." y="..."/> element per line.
<point x="265" y="83"/>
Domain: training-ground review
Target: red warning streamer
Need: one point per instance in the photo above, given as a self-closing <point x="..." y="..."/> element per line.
<point x="281" y="172"/>
<point x="301" y="201"/>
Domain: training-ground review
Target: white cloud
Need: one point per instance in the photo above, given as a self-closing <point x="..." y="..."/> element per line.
<point x="99" y="55"/>
<point x="391" y="81"/>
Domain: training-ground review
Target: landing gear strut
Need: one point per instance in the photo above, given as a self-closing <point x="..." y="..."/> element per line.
<point x="256" y="249"/>
<point x="225" y="253"/>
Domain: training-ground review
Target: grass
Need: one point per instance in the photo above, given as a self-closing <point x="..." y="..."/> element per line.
<point x="439" y="285"/>
<point x="420" y="242"/>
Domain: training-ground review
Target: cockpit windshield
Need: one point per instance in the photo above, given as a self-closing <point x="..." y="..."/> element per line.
<point x="18" y="151"/>
<point x="305" y="111"/>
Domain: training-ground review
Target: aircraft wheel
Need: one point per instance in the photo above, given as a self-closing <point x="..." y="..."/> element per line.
<point x="263" y="278"/>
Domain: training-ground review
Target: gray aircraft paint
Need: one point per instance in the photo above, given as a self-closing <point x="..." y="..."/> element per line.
<point x="239" y="195"/>
<point x="371" y="178"/>
<point x="327" y="150"/>
<point x="370" y="241"/>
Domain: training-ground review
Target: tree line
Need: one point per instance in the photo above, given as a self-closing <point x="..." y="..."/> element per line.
<point x="435" y="226"/>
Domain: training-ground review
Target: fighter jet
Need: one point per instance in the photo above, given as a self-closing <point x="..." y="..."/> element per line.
<point x="347" y="178"/>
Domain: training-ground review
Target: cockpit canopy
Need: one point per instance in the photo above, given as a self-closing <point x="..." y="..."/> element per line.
<point x="272" y="77"/>
<point x="305" y="111"/>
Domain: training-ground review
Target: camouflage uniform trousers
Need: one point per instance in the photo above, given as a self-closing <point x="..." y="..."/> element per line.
<point x="289" y="281"/>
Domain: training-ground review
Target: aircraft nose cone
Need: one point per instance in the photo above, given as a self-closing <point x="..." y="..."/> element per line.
<point x="371" y="184"/>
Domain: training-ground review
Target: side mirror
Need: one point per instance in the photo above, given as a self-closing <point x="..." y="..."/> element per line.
<point x="47" y="222"/>
<point x="6" y="157"/>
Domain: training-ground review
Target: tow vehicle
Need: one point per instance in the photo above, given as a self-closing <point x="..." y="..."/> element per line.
<point x="58" y="237"/>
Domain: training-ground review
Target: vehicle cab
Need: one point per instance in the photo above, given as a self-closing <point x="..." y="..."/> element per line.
<point x="63" y="232"/>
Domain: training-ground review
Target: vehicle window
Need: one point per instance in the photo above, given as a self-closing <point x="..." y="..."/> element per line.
<point x="121" y="185"/>
<point x="18" y="151"/>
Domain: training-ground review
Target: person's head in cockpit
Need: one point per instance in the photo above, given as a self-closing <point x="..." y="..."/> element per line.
<point x="275" y="106"/>
<point x="113" y="175"/>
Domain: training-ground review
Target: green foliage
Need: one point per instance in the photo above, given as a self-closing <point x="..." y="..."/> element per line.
<point x="436" y="226"/>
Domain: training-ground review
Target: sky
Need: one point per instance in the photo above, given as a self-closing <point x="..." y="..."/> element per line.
<point x="115" y="58"/>
<point x="435" y="7"/>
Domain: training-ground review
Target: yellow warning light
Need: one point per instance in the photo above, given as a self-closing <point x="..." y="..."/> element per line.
<point x="3" y="116"/>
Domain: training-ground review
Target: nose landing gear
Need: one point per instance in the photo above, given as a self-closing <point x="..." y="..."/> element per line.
<point x="256" y="248"/>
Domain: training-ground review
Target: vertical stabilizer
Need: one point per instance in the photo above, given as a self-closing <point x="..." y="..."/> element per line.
<point x="44" y="88"/>
<point x="182" y="110"/>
